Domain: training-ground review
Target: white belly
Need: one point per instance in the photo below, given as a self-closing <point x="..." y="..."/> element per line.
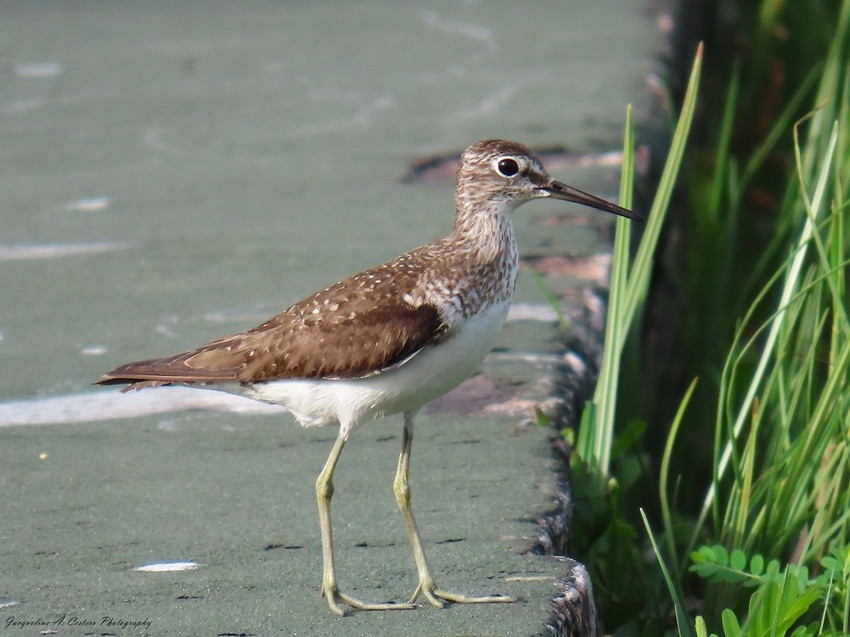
<point x="430" y="373"/>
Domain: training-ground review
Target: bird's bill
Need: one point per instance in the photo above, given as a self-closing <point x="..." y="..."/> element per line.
<point x="560" y="190"/>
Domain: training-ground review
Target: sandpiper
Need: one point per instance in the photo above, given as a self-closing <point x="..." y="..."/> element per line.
<point x="387" y="340"/>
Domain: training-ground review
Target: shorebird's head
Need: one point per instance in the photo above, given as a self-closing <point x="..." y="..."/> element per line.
<point x="501" y="175"/>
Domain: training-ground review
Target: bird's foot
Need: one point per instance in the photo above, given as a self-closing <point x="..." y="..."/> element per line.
<point x="336" y="598"/>
<point x="438" y="597"/>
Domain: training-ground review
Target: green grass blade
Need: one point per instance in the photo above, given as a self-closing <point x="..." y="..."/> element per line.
<point x="609" y="373"/>
<point x="642" y="267"/>
<point x="663" y="479"/>
<point x="682" y="622"/>
<point x="629" y="287"/>
<point x="791" y="285"/>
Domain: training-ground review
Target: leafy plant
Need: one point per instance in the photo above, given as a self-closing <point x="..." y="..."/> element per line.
<point x="783" y="596"/>
<point x="764" y="436"/>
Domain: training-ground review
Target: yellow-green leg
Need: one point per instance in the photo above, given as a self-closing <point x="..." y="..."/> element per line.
<point x="330" y="588"/>
<point x="427" y="586"/>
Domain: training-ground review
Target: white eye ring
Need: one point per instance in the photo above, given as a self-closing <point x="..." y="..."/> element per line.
<point x="507" y="166"/>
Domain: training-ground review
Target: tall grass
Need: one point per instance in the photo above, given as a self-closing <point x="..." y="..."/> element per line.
<point x="766" y="550"/>
<point x="630" y="283"/>
<point x="781" y="481"/>
<point x="603" y="538"/>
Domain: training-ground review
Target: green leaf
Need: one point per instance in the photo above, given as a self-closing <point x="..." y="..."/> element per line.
<point x="681" y="618"/>
<point x="757" y="564"/>
<point x="731" y="627"/>
<point x="738" y="560"/>
<point x="721" y="556"/>
<point x="702" y="555"/>
<point x="628" y="438"/>
<point x="807" y="631"/>
<point x="772" y="572"/>
<point x="796" y="606"/>
<point x="700" y="627"/>
<point x="775" y="607"/>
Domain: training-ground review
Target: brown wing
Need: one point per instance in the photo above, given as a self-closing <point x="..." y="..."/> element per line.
<point x="352" y="329"/>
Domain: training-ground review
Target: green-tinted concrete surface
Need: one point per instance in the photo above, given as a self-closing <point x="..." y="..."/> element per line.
<point x="171" y="172"/>
<point x="86" y="505"/>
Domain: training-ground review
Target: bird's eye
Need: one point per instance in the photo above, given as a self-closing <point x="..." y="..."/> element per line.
<point x="507" y="166"/>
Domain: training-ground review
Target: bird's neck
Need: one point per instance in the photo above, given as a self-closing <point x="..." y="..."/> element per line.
<point x="487" y="260"/>
<point x="486" y="230"/>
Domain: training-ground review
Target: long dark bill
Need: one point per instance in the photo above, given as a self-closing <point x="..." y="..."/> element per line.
<point x="560" y="190"/>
